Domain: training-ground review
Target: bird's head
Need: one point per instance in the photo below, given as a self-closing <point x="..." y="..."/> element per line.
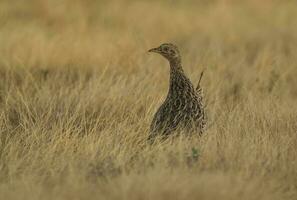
<point x="169" y="51"/>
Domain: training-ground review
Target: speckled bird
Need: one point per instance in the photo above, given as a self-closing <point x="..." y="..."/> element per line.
<point x="183" y="106"/>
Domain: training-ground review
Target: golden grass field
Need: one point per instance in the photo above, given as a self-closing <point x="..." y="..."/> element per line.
<point x="78" y="91"/>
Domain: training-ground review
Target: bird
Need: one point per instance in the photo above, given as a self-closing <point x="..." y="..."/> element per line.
<point x="183" y="106"/>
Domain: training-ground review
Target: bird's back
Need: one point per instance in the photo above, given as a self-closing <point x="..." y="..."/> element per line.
<point x="183" y="107"/>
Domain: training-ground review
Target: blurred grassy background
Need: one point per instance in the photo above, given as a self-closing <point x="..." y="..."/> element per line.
<point x="78" y="91"/>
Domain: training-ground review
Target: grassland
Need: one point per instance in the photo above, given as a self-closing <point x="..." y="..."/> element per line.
<point x="78" y="91"/>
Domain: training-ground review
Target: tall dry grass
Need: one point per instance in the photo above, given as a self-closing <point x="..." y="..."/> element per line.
<point x="78" y="91"/>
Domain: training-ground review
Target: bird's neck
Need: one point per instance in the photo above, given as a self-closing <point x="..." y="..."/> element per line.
<point x="175" y="65"/>
<point x="179" y="83"/>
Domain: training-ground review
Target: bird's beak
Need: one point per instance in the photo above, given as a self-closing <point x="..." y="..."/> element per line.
<point x="155" y="50"/>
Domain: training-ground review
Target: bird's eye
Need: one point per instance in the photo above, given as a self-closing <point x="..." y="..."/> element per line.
<point x="165" y="48"/>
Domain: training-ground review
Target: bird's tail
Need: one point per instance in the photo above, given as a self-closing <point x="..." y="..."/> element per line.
<point x="198" y="88"/>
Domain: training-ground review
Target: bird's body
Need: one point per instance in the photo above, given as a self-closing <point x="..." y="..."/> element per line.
<point x="183" y="106"/>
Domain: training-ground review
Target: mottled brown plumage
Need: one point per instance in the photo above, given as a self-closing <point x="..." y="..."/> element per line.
<point x="183" y="106"/>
